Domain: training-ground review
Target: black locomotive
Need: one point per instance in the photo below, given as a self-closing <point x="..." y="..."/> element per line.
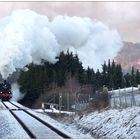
<point x="5" y="91"/>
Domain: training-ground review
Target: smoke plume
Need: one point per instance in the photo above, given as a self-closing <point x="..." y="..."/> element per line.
<point x="17" y="95"/>
<point x="26" y="37"/>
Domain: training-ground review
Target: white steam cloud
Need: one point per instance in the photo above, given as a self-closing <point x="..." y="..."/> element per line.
<point x="17" y="95"/>
<point x="26" y="37"/>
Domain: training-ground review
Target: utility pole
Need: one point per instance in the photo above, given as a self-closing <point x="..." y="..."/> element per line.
<point x="133" y="102"/>
<point x="125" y="97"/>
<point x="75" y="102"/>
<point x="60" y="102"/>
<point x="120" y="98"/>
<point x="68" y="101"/>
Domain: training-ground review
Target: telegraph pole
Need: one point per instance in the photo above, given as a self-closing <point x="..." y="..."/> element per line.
<point x="68" y="101"/>
<point x="60" y="102"/>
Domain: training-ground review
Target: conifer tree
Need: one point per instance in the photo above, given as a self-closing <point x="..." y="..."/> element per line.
<point x="119" y="75"/>
<point x="138" y="77"/>
<point x="133" y="78"/>
<point x="104" y="74"/>
<point x="98" y="79"/>
<point x="89" y="75"/>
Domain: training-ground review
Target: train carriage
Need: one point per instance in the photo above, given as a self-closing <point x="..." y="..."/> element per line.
<point x="5" y="91"/>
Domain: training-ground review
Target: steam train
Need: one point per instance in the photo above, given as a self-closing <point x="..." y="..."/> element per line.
<point x="5" y="91"/>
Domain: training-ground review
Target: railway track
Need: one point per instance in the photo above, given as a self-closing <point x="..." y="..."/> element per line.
<point x="34" y="126"/>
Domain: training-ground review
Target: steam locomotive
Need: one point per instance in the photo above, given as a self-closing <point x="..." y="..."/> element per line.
<point x="5" y="91"/>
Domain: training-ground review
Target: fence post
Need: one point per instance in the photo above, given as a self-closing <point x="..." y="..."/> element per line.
<point x="120" y="97"/>
<point x="133" y="99"/>
<point x="113" y="97"/>
<point x="60" y="102"/>
<point x="43" y="107"/>
<point x="68" y="101"/>
<point x="75" y="102"/>
<point x="54" y="98"/>
<point x="125" y="97"/>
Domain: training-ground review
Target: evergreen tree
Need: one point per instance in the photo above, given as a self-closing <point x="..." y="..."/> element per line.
<point x="89" y="75"/>
<point x="138" y="77"/>
<point x="105" y="74"/>
<point x="38" y="78"/>
<point x="133" y="77"/>
<point x="98" y="79"/>
<point x="127" y="78"/>
<point x="119" y="76"/>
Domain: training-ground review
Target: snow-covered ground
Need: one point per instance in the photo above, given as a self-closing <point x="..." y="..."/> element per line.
<point x="53" y="110"/>
<point x="129" y="89"/>
<point x="67" y="128"/>
<point x="113" y="123"/>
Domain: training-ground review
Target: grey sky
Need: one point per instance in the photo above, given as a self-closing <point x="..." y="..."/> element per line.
<point x="123" y="16"/>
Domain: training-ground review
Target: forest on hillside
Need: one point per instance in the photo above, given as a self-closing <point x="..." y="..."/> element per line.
<point x="38" y="78"/>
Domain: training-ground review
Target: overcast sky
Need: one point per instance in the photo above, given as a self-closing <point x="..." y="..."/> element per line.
<point x="122" y="16"/>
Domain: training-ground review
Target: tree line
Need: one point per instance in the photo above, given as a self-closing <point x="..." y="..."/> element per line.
<point x="38" y="78"/>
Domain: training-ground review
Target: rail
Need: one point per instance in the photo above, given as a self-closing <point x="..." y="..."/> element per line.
<point x="60" y="133"/>
<point x="27" y="130"/>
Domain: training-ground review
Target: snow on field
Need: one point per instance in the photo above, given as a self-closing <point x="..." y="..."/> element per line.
<point x="124" y="89"/>
<point x="70" y="130"/>
<point x="112" y="124"/>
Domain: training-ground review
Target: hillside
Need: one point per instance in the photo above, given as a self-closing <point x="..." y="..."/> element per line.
<point x="129" y="56"/>
<point x="110" y="124"/>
